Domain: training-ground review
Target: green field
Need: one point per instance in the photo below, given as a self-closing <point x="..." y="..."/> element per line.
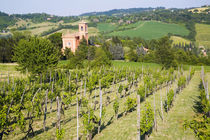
<point x="152" y="30"/>
<point x="138" y="65"/>
<point x="203" y="35"/>
<point x="106" y="27"/>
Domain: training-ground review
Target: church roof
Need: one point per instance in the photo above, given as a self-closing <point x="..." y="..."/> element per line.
<point x="71" y="35"/>
<point x="82" y="22"/>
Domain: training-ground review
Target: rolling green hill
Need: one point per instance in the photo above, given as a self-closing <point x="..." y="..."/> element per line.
<point x="152" y="30"/>
<point x="6" y="20"/>
<point x="106" y="27"/>
<point x="203" y="35"/>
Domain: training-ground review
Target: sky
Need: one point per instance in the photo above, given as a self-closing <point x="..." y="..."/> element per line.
<point x="76" y="7"/>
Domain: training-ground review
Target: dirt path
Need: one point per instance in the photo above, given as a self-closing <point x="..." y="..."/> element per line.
<point x="182" y="110"/>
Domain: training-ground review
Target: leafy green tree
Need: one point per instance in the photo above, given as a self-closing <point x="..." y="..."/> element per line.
<point x="116" y="40"/>
<point x="91" y="52"/>
<point x="132" y="56"/>
<point x="75" y="62"/>
<point x="68" y="53"/>
<point x="6" y="46"/>
<point x="82" y="50"/>
<point x="101" y="59"/>
<point x="36" y="55"/>
<point x="56" y="40"/>
<point x="164" y="53"/>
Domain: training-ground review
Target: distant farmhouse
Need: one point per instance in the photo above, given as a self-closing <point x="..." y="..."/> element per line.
<point x="72" y="40"/>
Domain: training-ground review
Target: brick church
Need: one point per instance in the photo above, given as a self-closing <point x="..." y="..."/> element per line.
<point x="72" y="40"/>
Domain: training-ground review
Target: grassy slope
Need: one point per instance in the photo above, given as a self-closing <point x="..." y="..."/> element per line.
<point x="152" y="30"/>
<point x="125" y="127"/>
<point x="203" y="35"/>
<point x="38" y="28"/>
<point x="120" y="64"/>
<point x="69" y="122"/>
<point x="182" y="110"/>
<point x="106" y="27"/>
<point x="10" y="69"/>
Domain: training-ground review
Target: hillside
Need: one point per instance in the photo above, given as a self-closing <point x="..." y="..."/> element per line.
<point x="121" y="11"/>
<point x="6" y="20"/>
<point x="151" y="30"/>
<point x="177" y="40"/>
<point x="147" y="23"/>
<point x="204" y="9"/>
<point x="203" y="35"/>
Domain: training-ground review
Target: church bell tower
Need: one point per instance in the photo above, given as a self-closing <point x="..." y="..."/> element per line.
<point x="83" y="30"/>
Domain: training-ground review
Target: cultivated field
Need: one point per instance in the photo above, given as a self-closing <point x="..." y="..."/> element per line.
<point x="106" y="27"/>
<point x="152" y="30"/>
<point x="199" y="10"/>
<point x="178" y="40"/>
<point x="169" y="124"/>
<point x="203" y="35"/>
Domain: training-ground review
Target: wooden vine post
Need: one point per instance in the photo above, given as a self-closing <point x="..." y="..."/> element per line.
<point x="161" y="106"/>
<point x="58" y="113"/>
<point x="77" y="119"/>
<point x="100" y="115"/>
<point x="51" y="100"/>
<point x="138" y="117"/>
<point x="45" y="111"/>
<point x="155" y="121"/>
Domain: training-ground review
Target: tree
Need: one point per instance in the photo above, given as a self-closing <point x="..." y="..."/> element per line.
<point x="117" y="52"/>
<point x="100" y="59"/>
<point x="164" y="53"/>
<point x="82" y="50"/>
<point x="132" y="56"/>
<point x="68" y="53"/>
<point x="116" y="40"/>
<point x="56" y="40"/>
<point x="36" y="55"/>
<point x="75" y="62"/>
<point x="6" y="46"/>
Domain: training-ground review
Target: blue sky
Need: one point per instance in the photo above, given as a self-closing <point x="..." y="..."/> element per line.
<point x="76" y="7"/>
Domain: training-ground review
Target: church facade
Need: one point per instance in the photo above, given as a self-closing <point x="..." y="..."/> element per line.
<point x="72" y="40"/>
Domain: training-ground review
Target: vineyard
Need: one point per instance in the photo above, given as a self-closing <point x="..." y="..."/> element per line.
<point x="90" y="103"/>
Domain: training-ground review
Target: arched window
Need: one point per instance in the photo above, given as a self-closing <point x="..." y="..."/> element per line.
<point x="68" y="43"/>
<point x="81" y="28"/>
